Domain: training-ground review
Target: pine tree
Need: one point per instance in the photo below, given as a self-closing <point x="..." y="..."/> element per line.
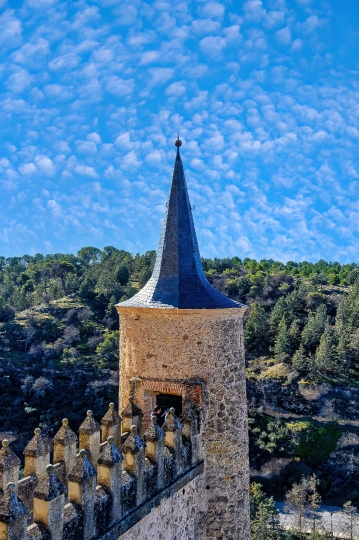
<point x="325" y="357"/>
<point x="314" y="328"/>
<point x="299" y="360"/>
<point x="264" y="515"/>
<point x="294" y="335"/>
<point x="282" y="341"/>
<point x="297" y="300"/>
<point x="282" y="309"/>
<point x="256" y="329"/>
<point x="315" y="501"/>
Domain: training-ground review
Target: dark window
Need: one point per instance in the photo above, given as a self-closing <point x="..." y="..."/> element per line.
<point x="166" y="401"/>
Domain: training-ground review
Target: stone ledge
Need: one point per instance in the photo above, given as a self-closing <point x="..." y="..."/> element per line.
<point x="133" y="517"/>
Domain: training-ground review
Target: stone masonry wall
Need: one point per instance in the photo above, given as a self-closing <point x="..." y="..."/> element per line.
<point x="202" y="349"/>
<point x="178" y="518"/>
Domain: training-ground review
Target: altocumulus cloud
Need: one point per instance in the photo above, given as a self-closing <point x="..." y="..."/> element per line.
<point x="263" y="93"/>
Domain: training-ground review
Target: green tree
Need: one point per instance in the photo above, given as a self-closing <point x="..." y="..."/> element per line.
<point x="299" y="360"/>
<point x="325" y="356"/>
<point x="315" y="501"/>
<point x="314" y="328"/>
<point x="87" y="289"/>
<point x="60" y="269"/>
<point x="256" y="328"/>
<point x="264" y="515"/>
<point x="107" y="351"/>
<point x="122" y="275"/>
<point x="280" y="310"/>
<point x="294" y="335"/>
<point x="89" y="255"/>
<point x="319" y="279"/>
<point x="282" y="342"/>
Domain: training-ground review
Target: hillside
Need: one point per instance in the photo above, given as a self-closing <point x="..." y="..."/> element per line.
<point x="59" y="353"/>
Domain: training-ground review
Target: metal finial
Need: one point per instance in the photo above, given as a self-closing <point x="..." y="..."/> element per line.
<point x="178" y="143"/>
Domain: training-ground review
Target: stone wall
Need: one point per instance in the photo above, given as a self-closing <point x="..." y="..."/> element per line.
<point x="180" y="517"/>
<point x="202" y="350"/>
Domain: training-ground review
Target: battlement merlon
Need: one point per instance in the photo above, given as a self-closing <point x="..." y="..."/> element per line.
<point x="104" y="500"/>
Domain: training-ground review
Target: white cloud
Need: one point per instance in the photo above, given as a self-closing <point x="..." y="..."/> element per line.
<point x="94" y="137"/>
<point x="86" y="147"/>
<point x="40" y="4"/>
<point x="127" y="14"/>
<point x="213" y="10"/>
<point x="85" y="170"/>
<point x="10" y="35"/>
<point x="284" y="36"/>
<point x="62" y="93"/>
<point x="149" y="56"/>
<point x="32" y="52"/>
<point x="66" y="61"/>
<point x="45" y="165"/>
<point x="212" y="45"/>
<point x="154" y="158"/>
<point x="253" y="10"/>
<point x="297" y="44"/>
<point x="160" y="76"/>
<point x="176" y="89"/>
<point x="19" y="81"/>
<point x="27" y="168"/>
<point x="205" y="26"/>
<point x="54" y="208"/>
<point x="120" y="87"/>
<point x="312" y="23"/>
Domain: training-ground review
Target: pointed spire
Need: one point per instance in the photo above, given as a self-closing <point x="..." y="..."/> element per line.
<point x="178" y="279"/>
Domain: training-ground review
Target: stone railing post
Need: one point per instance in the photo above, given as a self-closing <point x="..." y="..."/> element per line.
<point x="190" y="432"/>
<point x="154" y="437"/>
<point x="90" y="437"/>
<point x="49" y="502"/>
<point x="109" y="470"/>
<point x="173" y="429"/>
<point x="82" y="491"/>
<point x="37" y="456"/>
<point x="13" y="515"/>
<point x="111" y="426"/>
<point x="133" y="450"/>
<point x="65" y="448"/>
<point x="131" y="416"/>
<point x="9" y="466"/>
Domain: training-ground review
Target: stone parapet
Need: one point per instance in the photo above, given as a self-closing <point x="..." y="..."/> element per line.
<point x="126" y="482"/>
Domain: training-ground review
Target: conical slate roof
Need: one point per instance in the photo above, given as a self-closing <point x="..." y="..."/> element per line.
<point x="178" y="279"/>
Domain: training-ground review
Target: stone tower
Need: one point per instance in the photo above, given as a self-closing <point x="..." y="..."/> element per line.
<point x="181" y="344"/>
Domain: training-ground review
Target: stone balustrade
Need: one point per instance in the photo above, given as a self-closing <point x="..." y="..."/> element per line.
<point x="104" y="488"/>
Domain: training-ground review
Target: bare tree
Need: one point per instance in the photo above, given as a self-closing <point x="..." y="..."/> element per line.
<point x="27" y="384"/>
<point x="84" y="314"/>
<point x="71" y="334"/>
<point x="28" y="333"/>
<point x="41" y="386"/>
<point x="296" y="503"/>
<point x="350" y="520"/>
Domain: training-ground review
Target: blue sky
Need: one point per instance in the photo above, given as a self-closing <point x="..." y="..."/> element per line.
<point x="265" y="95"/>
